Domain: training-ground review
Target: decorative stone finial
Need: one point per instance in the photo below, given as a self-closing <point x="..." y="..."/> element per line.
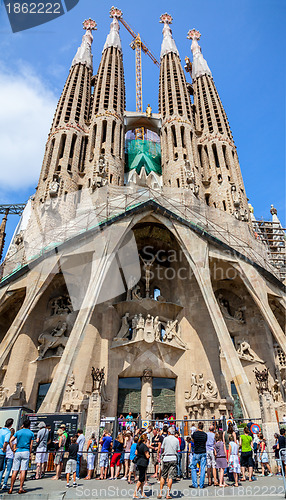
<point x="113" y="38"/>
<point x="273" y="210"/>
<point x="251" y="209"/>
<point x="84" y="55"/>
<point x="200" y="65"/>
<point x="168" y="44"/>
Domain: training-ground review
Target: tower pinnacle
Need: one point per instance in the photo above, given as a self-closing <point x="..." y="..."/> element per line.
<point x="200" y="65"/>
<point x="113" y="38"/>
<point x="168" y="44"/>
<point x="83" y="54"/>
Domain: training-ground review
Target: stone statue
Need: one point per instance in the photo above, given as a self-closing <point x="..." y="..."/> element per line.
<point x="239" y="316"/>
<point x="140" y="326"/>
<point x="62" y="305"/>
<point x="147" y="265"/>
<point x="244" y="351"/>
<point x="194" y="387"/>
<point x="226" y="311"/>
<point x="136" y="293"/>
<point x="262" y="379"/>
<point x="18" y="398"/>
<point x="224" y="305"/>
<point x="172" y="332"/>
<point x="235" y="196"/>
<point x="124" y="330"/>
<point x="149" y="111"/>
<point x="97" y="376"/>
<point x="276" y="393"/>
<point x="149" y="334"/>
<point x="134" y="323"/>
<point x="200" y="391"/>
<point x="211" y="390"/>
<point x="157" y="328"/>
<point x="54" y="187"/>
<point x="52" y="340"/>
<point x="201" y="386"/>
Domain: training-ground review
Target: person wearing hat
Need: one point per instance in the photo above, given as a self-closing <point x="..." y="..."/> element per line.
<point x="42" y="444"/>
<point x="60" y="454"/>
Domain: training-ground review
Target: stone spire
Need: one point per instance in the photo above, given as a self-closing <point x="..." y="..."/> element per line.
<point x="105" y="151"/>
<point x="113" y="38"/>
<point x="200" y="65"/>
<point x="2" y="233"/>
<point x="84" y="55"/>
<point x="168" y="44"/>
<point x="218" y="161"/>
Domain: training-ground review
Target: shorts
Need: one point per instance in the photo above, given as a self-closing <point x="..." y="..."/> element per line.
<point x="169" y="470"/>
<point x="90" y="461"/>
<point x="2" y="461"/>
<point x="41" y="456"/>
<point x="103" y="460"/>
<point x="264" y="458"/>
<point x="211" y="463"/>
<point x="127" y="455"/>
<point x="58" y="457"/>
<point x="155" y="459"/>
<point x="21" y="460"/>
<point x="132" y="467"/>
<point x="71" y="466"/>
<point x="142" y="473"/>
<point x="115" y="460"/>
<point x="246" y="459"/>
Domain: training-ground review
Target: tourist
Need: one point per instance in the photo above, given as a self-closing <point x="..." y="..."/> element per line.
<point x="132" y="468"/>
<point x="117" y="449"/>
<point x="284" y="419"/>
<point x="91" y="448"/>
<point x="71" y="466"/>
<point x="211" y="462"/>
<point x="255" y="445"/>
<point x="120" y="423"/>
<point x="276" y="454"/>
<point x="155" y="442"/>
<point x="129" y="420"/>
<point x="246" y="445"/>
<point x="25" y="439"/>
<point x="142" y="460"/>
<point x="263" y="456"/>
<point x="58" y="461"/>
<point x="42" y="443"/>
<point x="180" y="453"/>
<point x="8" y="460"/>
<point x="80" y="441"/>
<point x="193" y="429"/>
<point x="105" y="442"/>
<point x="226" y="435"/>
<point x="281" y="445"/>
<point x="5" y="434"/>
<point x="249" y="424"/>
<point x="49" y="456"/>
<point x="127" y="446"/>
<point x="170" y="448"/>
<point x="220" y="457"/>
<point x="199" y="456"/>
<point x="233" y="461"/>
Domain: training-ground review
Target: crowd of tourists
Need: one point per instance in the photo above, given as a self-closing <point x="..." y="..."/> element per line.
<point x="226" y="457"/>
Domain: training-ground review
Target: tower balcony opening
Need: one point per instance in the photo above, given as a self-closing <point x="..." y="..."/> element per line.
<point x="143" y="153"/>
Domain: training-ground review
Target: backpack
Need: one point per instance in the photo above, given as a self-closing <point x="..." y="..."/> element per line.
<point x="68" y="442"/>
<point x="183" y="444"/>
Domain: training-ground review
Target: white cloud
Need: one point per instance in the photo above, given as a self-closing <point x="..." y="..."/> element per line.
<point x="27" y="107"/>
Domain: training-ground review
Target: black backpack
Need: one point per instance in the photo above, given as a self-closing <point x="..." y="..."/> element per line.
<point x="68" y="443"/>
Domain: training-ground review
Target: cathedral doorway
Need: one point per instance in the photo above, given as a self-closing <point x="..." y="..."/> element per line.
<point x="129" y="396"/>
<point x="164" y="400"/>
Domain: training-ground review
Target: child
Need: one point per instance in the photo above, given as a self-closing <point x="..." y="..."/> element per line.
<point x="220" y="456"/>
<point x="233" y="461"/>
<point x="132" y="463"/>
<point x="71" y="463"/>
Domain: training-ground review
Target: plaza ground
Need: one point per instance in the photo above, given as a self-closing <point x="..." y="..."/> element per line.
<point x="46" y="489"/>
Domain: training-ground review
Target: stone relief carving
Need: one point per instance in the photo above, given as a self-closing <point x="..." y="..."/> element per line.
<point x="55" y="340"/>
<point x="147" y="266"/>
<point x="97" y="376"/>
<point x="100" y="174"/>
<point x="62" y="305"/>
<point x="190" y="178"/>
<point x="150" y="330"/>
<point x="54" y="187"/>
<point x="276" y="392"/>
<point x="235" y="196"/>
<point x="262" y="380"/>
<point x="73" y="399"/>
<point x="147" y="375"/>
<point x="237" y="315"/>
<point x="244" y="351"/>
<point x="18" y="397"/>
<point x="201" y="391"/>
<point x="3" y="395"/>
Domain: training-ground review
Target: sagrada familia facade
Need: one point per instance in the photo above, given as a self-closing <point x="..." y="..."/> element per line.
<point x="138" y="278"/>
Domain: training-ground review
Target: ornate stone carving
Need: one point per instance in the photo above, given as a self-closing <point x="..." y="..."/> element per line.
<point x="62" y="305"/>
<point x="147" y="265"/>
<point x="55" y="340"/>
<point x="244" y="351"/>
<point x="190" y="178"/>
<point x="235" y="196"/>
<point x="237" y="315"/>
<point x="211" y="390"/>
<point x="3" y="395"/>
<point x="200" y="391"/>
<point x="262" y="379"/>
<point x="54" y="187"/>
<point x="73" y="399"/>
<point x="276" y="392"/>
<point x="100" y="174"/>
<point x="18" y="397"/>
<point x="173" y="333"/>
<point x="97" y="376"/>
<point x="124" y="330"/>
<point x="147" y="375"/>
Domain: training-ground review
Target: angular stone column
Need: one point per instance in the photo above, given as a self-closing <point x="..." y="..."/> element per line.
<point x="196" y="252"/>
<point x="257" y="288"/>
<point x="146" y="395"/>
<point x="93" y="414"/>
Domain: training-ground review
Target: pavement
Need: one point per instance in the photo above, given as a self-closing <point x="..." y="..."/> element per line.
<point x="265" y="488"/>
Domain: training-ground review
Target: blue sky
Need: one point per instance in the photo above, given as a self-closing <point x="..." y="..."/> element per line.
<point x="243" y="43"/>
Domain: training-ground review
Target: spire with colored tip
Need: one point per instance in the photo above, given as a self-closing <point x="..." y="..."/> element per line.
<point x="200" y="65"/>
<point x="84" y="55"/>
<point x="168" y="44"/>
<point x="113" y="38"/>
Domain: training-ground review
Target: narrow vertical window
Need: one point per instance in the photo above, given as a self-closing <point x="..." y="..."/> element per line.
<point x="215" y="155"/>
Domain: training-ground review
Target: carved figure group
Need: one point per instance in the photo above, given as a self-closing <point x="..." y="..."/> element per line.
<point x="244" y="351"/>
<point x="200" y="390"/>
<point x="56" y="339"/>
<point x="262" y="379"/>
<point x="226" y="310"/>
<point x="62" y="305"/>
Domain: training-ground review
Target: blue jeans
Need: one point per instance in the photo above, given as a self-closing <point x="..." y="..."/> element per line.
<point x="179" y="465"/>
<point x="8" y="465"/>
<point x="78" y="462"/>
<point x="200" y="458"/>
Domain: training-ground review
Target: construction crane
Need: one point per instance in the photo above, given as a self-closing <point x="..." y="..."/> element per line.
<point x="138" y="45"/>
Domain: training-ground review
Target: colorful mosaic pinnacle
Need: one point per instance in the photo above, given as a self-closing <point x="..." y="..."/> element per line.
<point x="166" y="18"/>
<point x="194" y="34"/>
<point x="89" y="24"/>
<point x="114" y="12"/>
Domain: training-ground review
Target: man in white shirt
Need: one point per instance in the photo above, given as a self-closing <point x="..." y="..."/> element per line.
<point x="80" y="441"/>
<point x="169" y="448"/>
<point x="284" y="419"/>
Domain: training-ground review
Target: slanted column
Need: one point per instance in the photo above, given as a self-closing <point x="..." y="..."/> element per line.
<point x="196" y="252"/>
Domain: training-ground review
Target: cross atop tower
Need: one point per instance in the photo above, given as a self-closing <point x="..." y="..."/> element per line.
<point x="166" y="18"/>
<point x="114" y="12"/>
<point x="194" y="34"/>
<point x="89" y="24"/>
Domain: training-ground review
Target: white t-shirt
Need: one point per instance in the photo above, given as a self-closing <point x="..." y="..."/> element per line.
<point x="170" y="447"/>
<point x="80" y="441"/>
<point x="284" y="419"/>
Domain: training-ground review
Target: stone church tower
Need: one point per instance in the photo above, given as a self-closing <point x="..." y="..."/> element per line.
<point x="134" y="280"/>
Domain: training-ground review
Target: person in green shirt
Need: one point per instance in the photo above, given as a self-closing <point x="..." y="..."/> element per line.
<point x="246" y="445"/>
